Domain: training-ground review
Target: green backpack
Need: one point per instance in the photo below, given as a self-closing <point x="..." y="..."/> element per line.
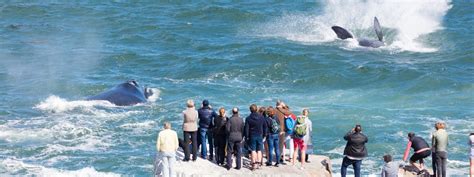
<point x="300" y="127"/>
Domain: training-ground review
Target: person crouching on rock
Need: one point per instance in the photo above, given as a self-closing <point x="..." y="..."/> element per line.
<point x="421" y="148"/>
<point x="167" y="144"/>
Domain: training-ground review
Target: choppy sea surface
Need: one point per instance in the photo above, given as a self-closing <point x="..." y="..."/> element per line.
<point x="53" y="55"/>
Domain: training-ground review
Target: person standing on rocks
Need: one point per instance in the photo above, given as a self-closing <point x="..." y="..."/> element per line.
<point x="206" y="123"/>
<point x="282" y="111"/>
<point x="190" y="130"/>
<point x="167" y="144"/>
<point x="255" y="128"/>
<point x="273" y="127"/>
<point x="439" y="145"/>
<point x="220" y="136"/>
<point x="355" y="150"/>
<point x="307" y="138"/>
<point x="234" y="129"/>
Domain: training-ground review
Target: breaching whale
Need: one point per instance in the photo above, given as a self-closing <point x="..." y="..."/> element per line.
<point x="344" y="34"/>
<point x="125" y="94"/>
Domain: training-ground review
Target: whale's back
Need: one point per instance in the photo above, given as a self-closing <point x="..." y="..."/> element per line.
<point x="124" y="94"/>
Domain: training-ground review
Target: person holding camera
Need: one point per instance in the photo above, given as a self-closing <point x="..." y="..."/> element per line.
<point x="355" y="150"/>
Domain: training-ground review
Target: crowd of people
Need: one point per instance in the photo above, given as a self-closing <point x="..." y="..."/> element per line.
<point x="264" y="132"/>
<point x="270" y="131"/>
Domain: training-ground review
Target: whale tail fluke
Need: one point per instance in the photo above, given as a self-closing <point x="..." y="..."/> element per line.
<point x="378" y="29"/>
<point x="341" y="32"/>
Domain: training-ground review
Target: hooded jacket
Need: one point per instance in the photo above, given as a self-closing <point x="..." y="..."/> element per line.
<point x="234" y="128"/>
<point x="255" y="125"/>
<point x="355" y="146"/>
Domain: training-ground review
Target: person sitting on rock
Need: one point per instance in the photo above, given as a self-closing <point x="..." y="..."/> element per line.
<point x="390" y="168"/>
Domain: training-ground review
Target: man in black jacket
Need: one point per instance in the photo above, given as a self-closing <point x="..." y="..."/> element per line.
<point x="255" y="129"/>
<point x="234" y="130"/>
<point x="355" y="150"/>
<point x="206" y="123"/>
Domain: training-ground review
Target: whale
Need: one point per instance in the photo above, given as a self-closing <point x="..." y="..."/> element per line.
<point x="124" y="94"/>
<point x="344" y="34"/>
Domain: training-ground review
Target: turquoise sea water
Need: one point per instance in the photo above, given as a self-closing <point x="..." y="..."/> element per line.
<point x="53" y="55"/>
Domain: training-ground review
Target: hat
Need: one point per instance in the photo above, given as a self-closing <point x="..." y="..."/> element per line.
<point x="205" y="103"/>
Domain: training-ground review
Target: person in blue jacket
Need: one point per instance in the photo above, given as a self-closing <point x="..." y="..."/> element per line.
<point x="206" y="117"/>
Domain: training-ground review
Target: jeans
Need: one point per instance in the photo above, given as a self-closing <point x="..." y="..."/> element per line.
<point x="187" y="136"/>
<point x="168" y="159"/>
<point x="234" y="147"/>
<point x="273" y="141"/>
<point x="355" y="164"/>
<point x="203" y="133"/>
<point x="439" y="168"/>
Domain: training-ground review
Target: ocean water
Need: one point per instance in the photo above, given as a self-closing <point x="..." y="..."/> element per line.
<point x="53" y="55"/>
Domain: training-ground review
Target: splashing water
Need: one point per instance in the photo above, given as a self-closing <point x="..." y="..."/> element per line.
<point x="404" y="26"/>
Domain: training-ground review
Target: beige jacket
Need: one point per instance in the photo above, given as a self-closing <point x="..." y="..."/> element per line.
<point x="167" y="141"/>
<point x="190" y="116"/>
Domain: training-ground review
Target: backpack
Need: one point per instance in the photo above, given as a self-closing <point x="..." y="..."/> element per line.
<point x="300" y="128"/>
<point x="289" y="124"/>
<point x="275" y="128"/>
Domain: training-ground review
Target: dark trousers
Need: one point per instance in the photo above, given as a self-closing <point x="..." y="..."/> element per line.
<point x="234" y="147"/>
<point x="355" y="164"/>
<point x="190" y="137"/>
<point x="439" y="163"/>
<point x="273" y="141"/>
<point x="220" y="142"/>
<point x="204" y="134"/>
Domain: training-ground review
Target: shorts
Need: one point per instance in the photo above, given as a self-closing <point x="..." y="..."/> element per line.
<point x="420" y="156"/>
<point x="256" y="143"/>
<point x="299" y="143"/>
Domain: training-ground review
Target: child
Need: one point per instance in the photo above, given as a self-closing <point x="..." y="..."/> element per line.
<point x="390" y="169"/>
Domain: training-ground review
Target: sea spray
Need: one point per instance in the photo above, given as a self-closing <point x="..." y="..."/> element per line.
<point x="404" y="23"/>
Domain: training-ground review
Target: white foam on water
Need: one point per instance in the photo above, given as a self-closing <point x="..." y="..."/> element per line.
<point x="10" y="134"/>
<point x="155" y="96"/>
<point x="13" y="166"/>
<point x="57" y="104"/>
<point x="89" y="144"/>
<point x="403" y="23"/>
<point x="142" y="125"/>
